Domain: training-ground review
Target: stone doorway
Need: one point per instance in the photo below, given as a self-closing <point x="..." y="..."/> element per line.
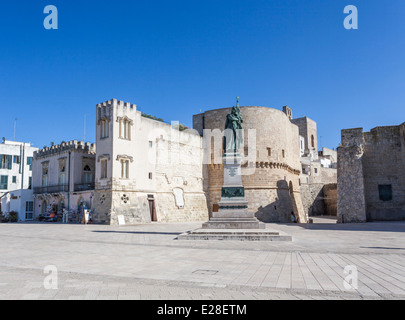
<point x="152" y="208"/>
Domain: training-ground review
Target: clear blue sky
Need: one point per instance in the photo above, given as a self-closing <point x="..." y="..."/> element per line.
<point x="175" y="58"/>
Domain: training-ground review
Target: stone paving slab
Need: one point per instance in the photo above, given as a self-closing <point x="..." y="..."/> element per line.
<point x="146" y="262"/>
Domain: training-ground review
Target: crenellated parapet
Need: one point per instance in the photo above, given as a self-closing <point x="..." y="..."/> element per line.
<point x="105" y="109"/>
<point x="85" y="147"/>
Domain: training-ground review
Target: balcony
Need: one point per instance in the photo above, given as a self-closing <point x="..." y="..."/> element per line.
<point x="51" y="189"/>
<point x="84" y="187"/>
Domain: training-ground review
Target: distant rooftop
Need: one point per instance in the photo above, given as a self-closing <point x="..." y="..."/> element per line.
<point x="15" y="143"/>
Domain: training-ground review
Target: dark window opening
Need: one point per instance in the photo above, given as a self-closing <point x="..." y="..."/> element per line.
<point x="385" y="192"/>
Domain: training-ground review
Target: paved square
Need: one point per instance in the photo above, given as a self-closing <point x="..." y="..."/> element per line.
<point x="147" y="262"/>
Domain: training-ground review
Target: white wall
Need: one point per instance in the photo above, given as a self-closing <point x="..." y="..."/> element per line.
<point x="16" y="201"/>
<point x="20" y="171"/>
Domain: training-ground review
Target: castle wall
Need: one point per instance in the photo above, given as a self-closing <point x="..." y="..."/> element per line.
<point x="372" y="165"/>
<point x="384" y="165"/>
<point x="351" y="204"/>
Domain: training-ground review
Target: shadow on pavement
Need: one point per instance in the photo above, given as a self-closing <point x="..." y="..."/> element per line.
<point x="389" y="226"/>
<point x="137" y="232"/>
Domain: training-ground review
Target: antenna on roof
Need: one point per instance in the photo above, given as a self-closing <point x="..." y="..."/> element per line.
<point x="84" y="129"/>
<point x="15" y="125"/>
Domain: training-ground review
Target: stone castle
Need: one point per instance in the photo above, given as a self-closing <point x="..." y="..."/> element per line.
<point x="146" y="170"/>
<point x="371" y="166"/>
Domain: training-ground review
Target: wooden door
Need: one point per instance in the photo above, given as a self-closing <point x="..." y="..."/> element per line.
<point x="152" y="210"/>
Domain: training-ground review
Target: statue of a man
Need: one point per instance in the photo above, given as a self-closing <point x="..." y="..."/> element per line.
<point x="233" y="138"/>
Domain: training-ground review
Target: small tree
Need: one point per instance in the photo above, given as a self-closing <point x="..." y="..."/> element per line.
<point x="13" y="216"/>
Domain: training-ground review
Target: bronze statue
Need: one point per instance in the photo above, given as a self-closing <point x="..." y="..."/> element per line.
<point x="233" y="138"/>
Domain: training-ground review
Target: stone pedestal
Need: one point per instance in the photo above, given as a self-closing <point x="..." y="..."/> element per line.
<point x="233" y="208"/>
<point x="233" y="221"/>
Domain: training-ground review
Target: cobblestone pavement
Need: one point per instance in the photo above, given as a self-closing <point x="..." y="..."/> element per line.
<point x="147" y="262"/>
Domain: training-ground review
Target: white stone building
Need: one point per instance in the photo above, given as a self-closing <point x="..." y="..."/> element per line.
<point x="16" y="178"/>
<point x="63" y="178"/>
<point x="146" y="170"/>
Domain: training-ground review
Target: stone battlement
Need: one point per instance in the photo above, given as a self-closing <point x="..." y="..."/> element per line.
<point x="352" y="137"/>
<point x="113" y="102"/>
<point x="75" y="145"/>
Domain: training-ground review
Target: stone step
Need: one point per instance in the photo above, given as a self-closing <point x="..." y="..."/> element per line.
<point x="237" y="235"/>
<point x="237" y="232"/>
<point x="233" y="214"/>
<point x="233" y="219"/>
<point x="233" y="224"/>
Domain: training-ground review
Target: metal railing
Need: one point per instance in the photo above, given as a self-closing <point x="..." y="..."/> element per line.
<point x="84" y="186"/>
<point x="51" y="189"/>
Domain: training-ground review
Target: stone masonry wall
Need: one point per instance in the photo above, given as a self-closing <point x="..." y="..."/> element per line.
<point x="351" y="203"/>
<point x="371" y="180"/>
<point x="384" y="165"/>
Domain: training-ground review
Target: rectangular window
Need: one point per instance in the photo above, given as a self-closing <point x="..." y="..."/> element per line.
<point x="6" y="161"/>
<point x="126" y="130"/>
<point x="62" y="179"/>
<point x="45" y="175"/>
<point x="29" y="210"/>
<point x="283" y="152"/>
<point x="124" y="169"/>
<point x="62" y="173"/>
<point x="104" y="126"/>
<point x="385" y="192"/>
<point x="29" y="162"/>
<point x="29" y="182"/>
<point x="16" y="159"/>
<point x="14" y="179"/>
<point x="3" y="182"/>
<point x="269" y="152"/>
<point x="150" y="144"/>
<point x="62" y="165"/>
<point x="29" y="206"/>
<point x="103" y="169"/>
<point x="150" y="175"/>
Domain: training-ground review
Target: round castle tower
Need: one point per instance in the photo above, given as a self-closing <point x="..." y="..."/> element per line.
<point x="271" y="165"/>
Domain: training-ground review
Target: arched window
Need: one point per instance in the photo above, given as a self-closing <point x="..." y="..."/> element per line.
<point x="104" y="128"/>
<point x="87" y="174"/>
<point x="125" y="127"/>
